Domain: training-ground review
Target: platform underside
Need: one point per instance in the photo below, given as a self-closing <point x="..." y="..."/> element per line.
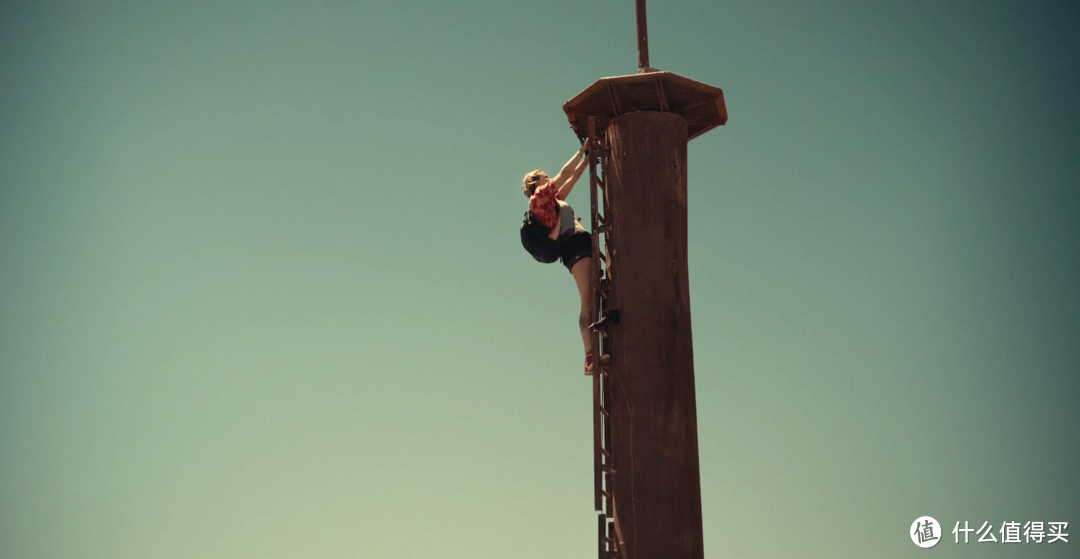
<point x="700" y="104"/>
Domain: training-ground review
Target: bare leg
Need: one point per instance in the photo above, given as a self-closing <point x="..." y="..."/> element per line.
<point x="582" y="272"/>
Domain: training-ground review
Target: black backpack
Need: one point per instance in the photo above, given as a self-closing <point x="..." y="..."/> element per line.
<point x="534" y="237"/>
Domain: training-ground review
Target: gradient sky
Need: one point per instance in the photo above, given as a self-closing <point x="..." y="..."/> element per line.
<point x="261" y="293"/>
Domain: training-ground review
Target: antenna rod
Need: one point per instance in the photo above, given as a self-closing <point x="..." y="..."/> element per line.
<point x="642" y="36"/>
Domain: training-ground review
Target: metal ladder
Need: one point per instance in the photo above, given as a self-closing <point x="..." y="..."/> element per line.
<point x="609" y="536"/>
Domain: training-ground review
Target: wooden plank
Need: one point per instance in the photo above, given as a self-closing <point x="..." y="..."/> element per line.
<point x="608" y="466"/>
<point x="614" y="99"/>
<point x="586" y="114"/>
<point x="694" y="105"/>
<point x="600" y="533"/>
<point x="661" y="94"/>
<point x="694" y="84"/>
<point x="584" y="94"/>
<point x="597" y="466"/>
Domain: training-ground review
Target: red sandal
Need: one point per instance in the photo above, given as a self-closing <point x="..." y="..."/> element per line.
<point x="588" y="364"/>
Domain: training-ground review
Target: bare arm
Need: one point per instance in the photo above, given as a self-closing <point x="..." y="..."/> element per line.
<point x="568" y="169"/>
<point x="570" y="172"/>
<point x="567" y="186"/>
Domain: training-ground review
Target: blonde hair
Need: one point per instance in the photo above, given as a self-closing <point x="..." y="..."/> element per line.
<point x="531" y="178"/>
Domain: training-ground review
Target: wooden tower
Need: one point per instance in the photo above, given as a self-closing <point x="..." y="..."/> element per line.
<point x="648" y="490"/>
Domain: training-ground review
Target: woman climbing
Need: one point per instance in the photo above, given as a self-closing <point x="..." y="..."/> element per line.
<point x="561" y="236"/>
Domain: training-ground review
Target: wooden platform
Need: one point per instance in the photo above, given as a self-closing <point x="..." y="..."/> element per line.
<point x="701" y="105"/>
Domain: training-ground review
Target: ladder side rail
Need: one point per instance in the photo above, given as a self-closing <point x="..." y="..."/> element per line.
<point x="594" y="281"/>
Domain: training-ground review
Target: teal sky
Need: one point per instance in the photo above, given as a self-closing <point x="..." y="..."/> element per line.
<point x="262" y="295"/>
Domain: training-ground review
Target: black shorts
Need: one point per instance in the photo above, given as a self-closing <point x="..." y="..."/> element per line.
<point x="575" y="247"/>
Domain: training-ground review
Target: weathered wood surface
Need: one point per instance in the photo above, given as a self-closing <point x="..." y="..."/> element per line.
<point x="701" y="104"/>
<point x="654" y="415"/>
<point x="642" y="35"/>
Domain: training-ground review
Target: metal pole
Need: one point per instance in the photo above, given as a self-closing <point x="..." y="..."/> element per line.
<point x="642" y="37"/>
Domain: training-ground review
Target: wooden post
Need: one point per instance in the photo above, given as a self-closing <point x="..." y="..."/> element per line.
<point x="642" y="35"/>
<point x="653" y="408"/>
